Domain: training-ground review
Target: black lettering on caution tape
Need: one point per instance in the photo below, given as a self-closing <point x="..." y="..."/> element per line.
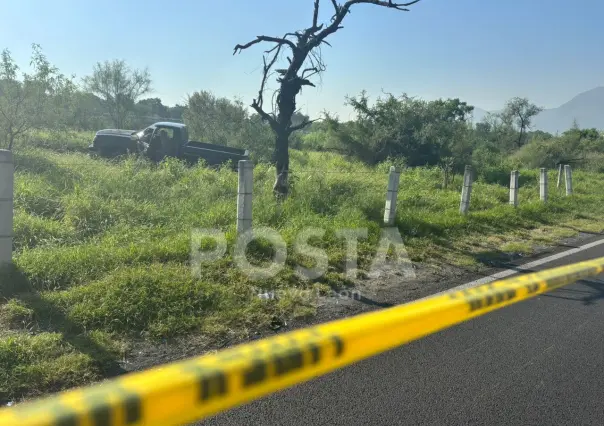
<point x="212" y="384"/>
<point x="532" y="288"/>
<point x="291" y="359"/>
<point x="132" y="408"/>
<point x="315" y="352"/>
<point x="339" y="344"/>
<point x="101" y="415"/>
<point x="68" y="419"/>
<point x="284" y="360"/>
<point x="572" y="277"/>
<point x="101" y="410"/>
<point x="256" y="373"/>
<point x="211" y="381"/>
<point x="496" y="297"/>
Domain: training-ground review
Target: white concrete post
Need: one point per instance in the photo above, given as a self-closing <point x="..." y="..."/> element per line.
<point x="391" y="194"/>
<point x="559" y="174"/>
<point x="466" y="191"/>
<point x="568" y="173"/>
<point x="244" y="196"/>
<point x="7" y="171"/>
<point x="514" y="188"/>
<point x="543" y="185"/>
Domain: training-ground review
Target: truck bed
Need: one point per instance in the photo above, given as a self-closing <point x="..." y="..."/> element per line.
<point x="214" y="147"/>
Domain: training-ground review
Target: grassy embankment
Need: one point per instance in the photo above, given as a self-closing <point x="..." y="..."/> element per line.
<point x="102" y="248"/>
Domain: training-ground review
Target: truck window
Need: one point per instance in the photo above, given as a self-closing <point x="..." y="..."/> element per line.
<point x="168" y="130"/>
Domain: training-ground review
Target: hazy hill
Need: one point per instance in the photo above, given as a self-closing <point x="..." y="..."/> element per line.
<point x="479" y="114"/>
<point x="587" y="108"/>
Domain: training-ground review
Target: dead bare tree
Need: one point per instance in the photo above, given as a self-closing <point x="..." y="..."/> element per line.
<point x="304" y="61"/>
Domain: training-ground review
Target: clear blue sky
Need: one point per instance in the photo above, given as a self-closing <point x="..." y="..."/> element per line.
<point x="483" y="51"/>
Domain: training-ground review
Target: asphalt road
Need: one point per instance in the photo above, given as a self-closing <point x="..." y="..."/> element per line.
<point x="539" y="362"/>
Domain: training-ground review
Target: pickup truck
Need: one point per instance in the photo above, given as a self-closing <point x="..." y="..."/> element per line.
<point x="113" y="142"/>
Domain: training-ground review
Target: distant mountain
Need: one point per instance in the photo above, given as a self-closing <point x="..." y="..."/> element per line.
<point x="587" y="108"/>
<point x="479" y="114"/>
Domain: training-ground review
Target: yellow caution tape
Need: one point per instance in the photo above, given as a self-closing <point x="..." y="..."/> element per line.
<point x="186" y="391"/>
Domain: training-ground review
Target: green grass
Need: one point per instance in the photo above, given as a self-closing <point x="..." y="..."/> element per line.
<point x="59" y="141"/>
<point x="102" y="248"/>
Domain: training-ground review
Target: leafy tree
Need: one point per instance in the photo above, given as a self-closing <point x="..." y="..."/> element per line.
<point x="539" y="134"/>
<point x="88" y="112"/>
<point x="520" y="112"/>
<point x="222" y="121"/>
<point x="176" y="112"/>
<point x="496" y="132"/>
<point x="303" y="62"/>
<point x="425" y="133"/>
<point x="119" y="86"/>
<point x="151" y="107"/>
<point x="148" y="111"/>
<point x="33" y="101"/>
<point x="213" y="119"/>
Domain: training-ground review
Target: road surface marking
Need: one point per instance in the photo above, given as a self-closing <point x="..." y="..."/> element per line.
<point x="520" y="268"/>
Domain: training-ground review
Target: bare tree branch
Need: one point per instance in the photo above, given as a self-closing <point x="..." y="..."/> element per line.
<point x="314" y="70"/>
<point x="264" y="115"/>
<point x="272" y="49"/>
<point x="315" y="16"/>
<point x="336" y="7"/>
<point x="305" y="82"/>
<point x="259" y="39"/>
<point x="342" y="10"/>
<point x="265" y="73"/>
<point x="301" y="125"/>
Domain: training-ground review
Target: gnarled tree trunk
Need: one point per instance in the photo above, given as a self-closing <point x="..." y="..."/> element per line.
<point x="281" y="160"/>
<point x="304" y="62"/>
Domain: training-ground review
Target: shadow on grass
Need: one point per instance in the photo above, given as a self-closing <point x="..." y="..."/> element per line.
<point x="50" y="318"/>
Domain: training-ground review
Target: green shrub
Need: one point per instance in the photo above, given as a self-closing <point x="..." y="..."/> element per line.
<point x="36" y="364"/>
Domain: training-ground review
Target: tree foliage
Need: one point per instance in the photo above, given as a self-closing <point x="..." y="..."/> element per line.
<point x="423" y="132"/>
<point x="520" y="112"/>
<point x="225" y="122"/>
<point x="119" y="86"/>
<point x="31" y="100"/>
